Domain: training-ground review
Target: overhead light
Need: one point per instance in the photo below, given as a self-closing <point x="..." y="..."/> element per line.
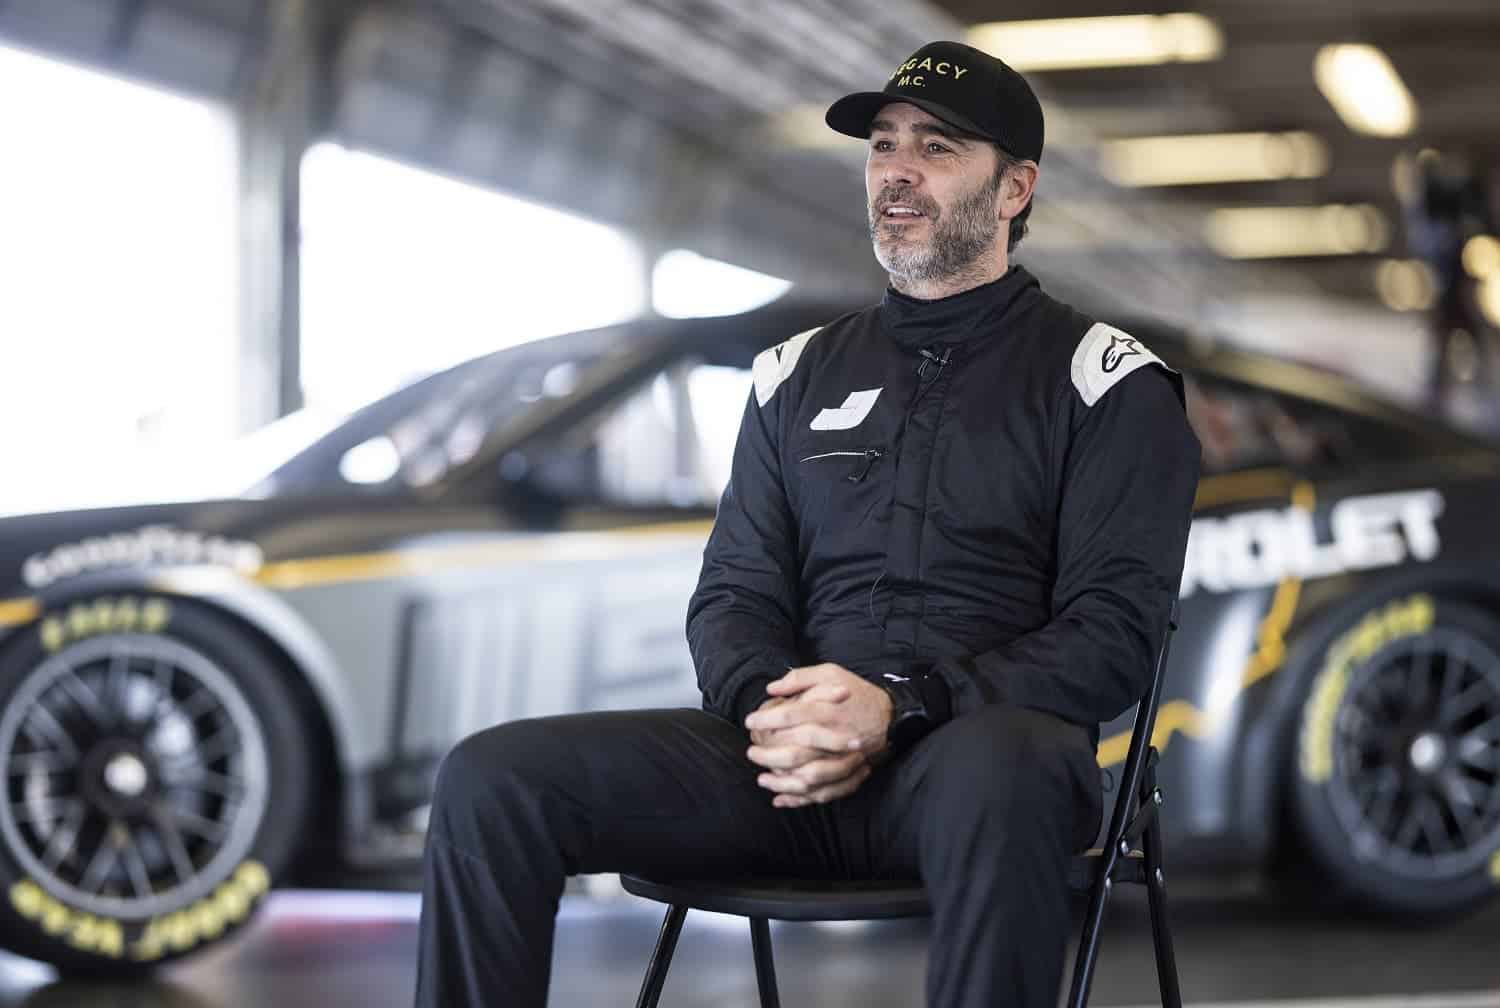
<point x="1284" y="232"/>
<point x="802" y="127"/>
<point x="1213" y="157"/>
<point x="1489" y="298"/>
<point x="1481" y="257"/>
<point x="1365" y="90"/>
<point x="1079" y="43"/>
<point x="1405" y="284"/>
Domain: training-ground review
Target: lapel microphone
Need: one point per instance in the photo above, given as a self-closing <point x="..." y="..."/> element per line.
<point x="928" y="357"/>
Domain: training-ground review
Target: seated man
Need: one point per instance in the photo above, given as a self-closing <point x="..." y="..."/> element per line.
<point x="947" y="551"/>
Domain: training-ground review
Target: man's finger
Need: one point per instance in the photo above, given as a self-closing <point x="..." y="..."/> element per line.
<point x="770" y="738"/>
<point x="812" y="775"/>
<point x="805" y="677"/>
<point x="823" y="795"/>
<point x="829" y="769"/>
<point x="782" y="757"/>
<point x="791" y="715"/>
<point x="795" y="681"/>
<point x="827" y="693"/>
<point x="782" y="783"/>
<point x="816" y="736"/>
<point x="769" y="702"/>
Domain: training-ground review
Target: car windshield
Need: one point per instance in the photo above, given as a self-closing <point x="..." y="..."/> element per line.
<point x="415" y="435"/>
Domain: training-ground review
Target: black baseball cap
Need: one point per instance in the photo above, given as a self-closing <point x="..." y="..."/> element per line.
<point x="960" y="85"/>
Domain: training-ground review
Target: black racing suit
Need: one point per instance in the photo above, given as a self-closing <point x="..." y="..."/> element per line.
<point x="988" y="495"/>
<point x="1011" y="512"/>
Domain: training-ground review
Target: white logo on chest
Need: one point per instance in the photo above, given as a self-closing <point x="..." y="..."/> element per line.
<point x="856" y="407"/>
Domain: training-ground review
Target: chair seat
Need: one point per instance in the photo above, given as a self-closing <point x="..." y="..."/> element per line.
<point x="792" y="899"/>
<point x="788" y="899"/>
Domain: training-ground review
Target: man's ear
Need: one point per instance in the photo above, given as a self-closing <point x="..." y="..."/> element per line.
<point x="1017" y="187"/>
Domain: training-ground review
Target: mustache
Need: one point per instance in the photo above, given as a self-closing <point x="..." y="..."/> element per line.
<point x="905" y="196"/>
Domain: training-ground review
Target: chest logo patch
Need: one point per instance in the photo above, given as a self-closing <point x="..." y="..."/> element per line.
<point x="1104" y="356"/>
<point x="856" y="407"/>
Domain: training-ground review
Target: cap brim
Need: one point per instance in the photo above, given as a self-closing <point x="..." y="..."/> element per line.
<point x="852" y="114"/>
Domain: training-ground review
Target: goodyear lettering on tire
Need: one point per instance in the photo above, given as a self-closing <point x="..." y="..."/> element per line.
<point x="101" y="616"/>
<point x="203" y="920"/>
<point x="1403" y="618"/>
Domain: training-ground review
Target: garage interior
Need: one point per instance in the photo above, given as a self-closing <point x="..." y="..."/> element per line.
<point x="688" y="134"/>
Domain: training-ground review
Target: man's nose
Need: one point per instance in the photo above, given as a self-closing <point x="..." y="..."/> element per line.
<point x="900" y="169"/>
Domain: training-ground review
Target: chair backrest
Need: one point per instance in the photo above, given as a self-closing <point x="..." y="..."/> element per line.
<point x="1129" y="780"/>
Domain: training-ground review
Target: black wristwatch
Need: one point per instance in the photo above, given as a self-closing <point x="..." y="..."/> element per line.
<point x="910" y="718"/>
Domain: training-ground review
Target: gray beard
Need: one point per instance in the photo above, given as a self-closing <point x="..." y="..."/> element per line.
<point x="960" y="237"/>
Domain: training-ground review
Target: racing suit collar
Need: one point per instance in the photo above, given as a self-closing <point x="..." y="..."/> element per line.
<point x="914" y="323"/>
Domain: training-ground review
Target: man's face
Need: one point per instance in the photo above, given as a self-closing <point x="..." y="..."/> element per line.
<point x="932" y="195"/>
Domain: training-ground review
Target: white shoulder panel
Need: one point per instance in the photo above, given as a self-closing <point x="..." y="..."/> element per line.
<point x="1104" y="356"/>
<point x="774" y="366"/>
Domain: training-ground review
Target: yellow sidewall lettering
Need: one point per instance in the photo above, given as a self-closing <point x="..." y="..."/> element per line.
<point x="1402" y="618"/>
<point x="105" y="615"/>
<point x="82" y="931"/>
<point x="208" y="918"/>
<point x="202" y="921"/>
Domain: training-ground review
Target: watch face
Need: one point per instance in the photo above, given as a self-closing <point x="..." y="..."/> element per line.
<point x="905" y="701"/>
<point x="907" y="728"/>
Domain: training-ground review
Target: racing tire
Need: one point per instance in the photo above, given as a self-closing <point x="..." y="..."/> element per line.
<point x="158" y="777"/>
<point x="1395" y="794"/>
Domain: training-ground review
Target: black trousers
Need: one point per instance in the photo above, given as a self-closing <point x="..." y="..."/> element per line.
<point x="986" y="810"/>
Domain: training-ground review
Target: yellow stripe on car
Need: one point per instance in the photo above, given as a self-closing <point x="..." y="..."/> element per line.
<point x="1182" y="716"/>
<point x="1233" y="488"/>
<point x="18" y="610"/>
<point x="306" y="573"/>
<point x="1176" y="716"/>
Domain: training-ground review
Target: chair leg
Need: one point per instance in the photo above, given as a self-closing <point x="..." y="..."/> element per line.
<point x="765" y="962"/>
<point x="1161" y="930"/>
<point x="1088" y="944"/>
<point x="661" y="959"/>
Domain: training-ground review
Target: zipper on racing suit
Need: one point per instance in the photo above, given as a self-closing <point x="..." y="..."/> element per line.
<point x="870" y="455"/>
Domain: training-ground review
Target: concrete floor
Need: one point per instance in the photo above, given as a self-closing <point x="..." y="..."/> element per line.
<point x="354" y="950"/>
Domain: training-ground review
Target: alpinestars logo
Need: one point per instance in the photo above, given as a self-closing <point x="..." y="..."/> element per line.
<point x="1119" y="348"/>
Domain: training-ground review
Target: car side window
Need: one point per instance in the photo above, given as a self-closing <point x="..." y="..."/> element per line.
<point x="1243" y="427"/>
<point x="667" y="444"/>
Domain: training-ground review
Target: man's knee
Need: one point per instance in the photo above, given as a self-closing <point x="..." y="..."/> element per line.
<point x="492" y="763"/>
<point x="999" y="737"/>
<point x="1004" y="766"/>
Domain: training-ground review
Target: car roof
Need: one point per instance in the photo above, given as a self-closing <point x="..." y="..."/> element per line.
<point x="631" y="350"/>
<point x="1207" y="354"/>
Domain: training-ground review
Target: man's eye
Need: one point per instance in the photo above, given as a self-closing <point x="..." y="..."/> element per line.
<point x="882" y="145"/>
<point x="936" y="148"/>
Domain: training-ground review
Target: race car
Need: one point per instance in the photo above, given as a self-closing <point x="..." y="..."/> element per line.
<point x="198" y="699"/>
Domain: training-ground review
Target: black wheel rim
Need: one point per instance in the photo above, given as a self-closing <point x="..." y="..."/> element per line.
<point x="1416" y="768"/>
<point x="136" y="775"/>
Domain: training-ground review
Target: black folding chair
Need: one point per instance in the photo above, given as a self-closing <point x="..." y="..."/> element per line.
<point x="1130" y="852"/>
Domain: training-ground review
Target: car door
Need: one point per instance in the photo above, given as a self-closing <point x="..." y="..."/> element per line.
<point x="587" y="611"/>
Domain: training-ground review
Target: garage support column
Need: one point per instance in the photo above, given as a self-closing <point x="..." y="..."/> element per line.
<point x="276" y="120"/>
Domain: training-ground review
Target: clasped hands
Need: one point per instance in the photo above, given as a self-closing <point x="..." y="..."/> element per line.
<point x="817" y="733"/>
